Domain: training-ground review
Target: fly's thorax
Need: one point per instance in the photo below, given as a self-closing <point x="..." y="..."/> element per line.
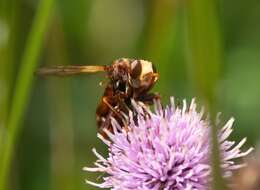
<point x="120" y="70"/>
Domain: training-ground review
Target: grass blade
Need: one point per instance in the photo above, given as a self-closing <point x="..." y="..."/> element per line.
<point x="23" y="85"/>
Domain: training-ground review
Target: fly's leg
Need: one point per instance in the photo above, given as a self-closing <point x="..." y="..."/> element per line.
<point x="123" y="107"/>
<point x="116" y="110"/>
<point x="149" y="98"/>
<point x="105" y="100"/>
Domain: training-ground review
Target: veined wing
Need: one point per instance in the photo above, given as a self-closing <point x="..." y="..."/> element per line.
<point x="64" y="70"/>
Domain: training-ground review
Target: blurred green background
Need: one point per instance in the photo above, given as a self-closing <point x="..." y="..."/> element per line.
<point x="207" y="49"/>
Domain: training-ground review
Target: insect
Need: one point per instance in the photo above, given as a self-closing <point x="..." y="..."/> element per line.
<point x="128" y="79"/>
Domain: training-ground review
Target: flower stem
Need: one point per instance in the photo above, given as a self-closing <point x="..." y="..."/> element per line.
<point x="23" y="85"/>
<point x="206" y="55"/>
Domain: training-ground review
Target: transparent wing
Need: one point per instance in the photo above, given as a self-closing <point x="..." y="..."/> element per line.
<point x="65" y="70"/>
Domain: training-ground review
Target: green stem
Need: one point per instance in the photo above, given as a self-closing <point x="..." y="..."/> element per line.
<point x="23" y="86"/>
<point x="206" y="56"/>
<point x="9" y="12"/>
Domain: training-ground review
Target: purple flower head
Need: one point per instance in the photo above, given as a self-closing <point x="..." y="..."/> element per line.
<point x="169" y="149"/>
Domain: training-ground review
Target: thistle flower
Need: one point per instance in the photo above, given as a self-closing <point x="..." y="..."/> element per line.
<point x="168" y="150"/>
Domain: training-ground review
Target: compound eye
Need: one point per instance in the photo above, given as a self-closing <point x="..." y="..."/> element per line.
<point x="136" y="69"/>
